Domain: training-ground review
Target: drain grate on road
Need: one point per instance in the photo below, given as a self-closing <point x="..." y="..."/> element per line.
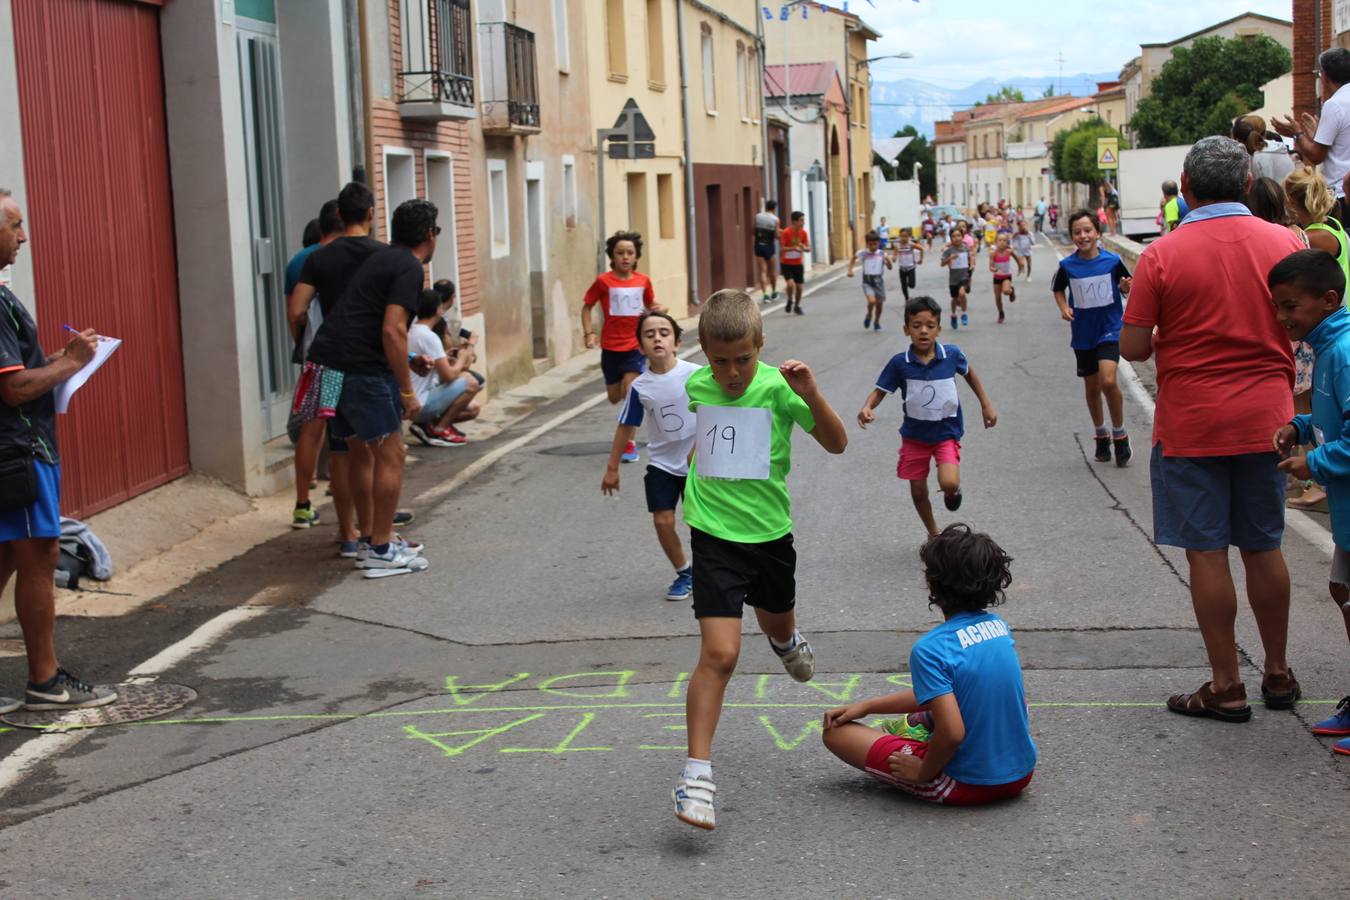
<point x="135" y="702"/>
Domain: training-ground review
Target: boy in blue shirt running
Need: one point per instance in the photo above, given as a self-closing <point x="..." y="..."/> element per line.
<point x="1088" y="287"/>
<point x="1307" y="288"/>
<point x="965" y="739"/>
<point x="925" y="376"/>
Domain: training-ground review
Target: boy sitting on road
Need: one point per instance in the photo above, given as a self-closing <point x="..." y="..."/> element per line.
<point x="965" y="739"/>
<point x="925" y="375"/>
<point x="1307" y="288"/>
<point x="658" y="396"/>
<point x="737" y="506"/>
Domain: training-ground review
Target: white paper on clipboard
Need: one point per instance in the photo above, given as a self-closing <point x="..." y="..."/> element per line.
<point x="66" y="389"/>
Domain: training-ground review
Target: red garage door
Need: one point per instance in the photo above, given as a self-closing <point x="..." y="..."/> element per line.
<point x="91" y="104"/>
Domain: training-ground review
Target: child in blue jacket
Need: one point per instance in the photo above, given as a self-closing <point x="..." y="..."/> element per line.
<point x="1308" y="288"/>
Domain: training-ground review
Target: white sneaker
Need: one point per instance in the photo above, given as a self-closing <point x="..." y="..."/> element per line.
<point x="9" y="705"/>
<point x="800" y="661"/>
<point x="396" y="556"/>
<point x="694" y="802"/>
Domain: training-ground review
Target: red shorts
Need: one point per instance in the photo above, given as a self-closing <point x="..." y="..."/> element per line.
<point x="943" y="789"/>
<point x="914" y="456"/>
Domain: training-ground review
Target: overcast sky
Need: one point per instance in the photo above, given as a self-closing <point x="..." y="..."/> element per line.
<point x="958" y="42"/>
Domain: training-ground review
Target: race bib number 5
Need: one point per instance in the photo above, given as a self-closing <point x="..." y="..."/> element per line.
<point x="733" y="442"/>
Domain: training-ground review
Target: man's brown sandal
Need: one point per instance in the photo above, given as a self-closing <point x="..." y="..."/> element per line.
<point x="1205" y="702"/>
<point x="1280" y="691"/>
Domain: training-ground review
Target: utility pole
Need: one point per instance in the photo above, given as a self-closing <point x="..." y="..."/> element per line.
<point x="1060" y="85"/>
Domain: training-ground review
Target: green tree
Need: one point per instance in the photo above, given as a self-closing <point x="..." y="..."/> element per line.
<point x="1049" y="92"/>
<point x="917" y="151"/>
<point x="1073" y="154"/>
<point x="1202" y="88"/>
<point x="1006" y="94"/>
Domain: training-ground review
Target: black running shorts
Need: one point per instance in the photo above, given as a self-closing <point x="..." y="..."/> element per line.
<point x="728" y="575"/>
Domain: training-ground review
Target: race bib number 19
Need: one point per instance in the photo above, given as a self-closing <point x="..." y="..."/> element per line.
<point x="733" y="442"/>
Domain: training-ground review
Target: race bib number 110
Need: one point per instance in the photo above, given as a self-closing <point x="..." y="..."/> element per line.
<point x="733" y="442"/>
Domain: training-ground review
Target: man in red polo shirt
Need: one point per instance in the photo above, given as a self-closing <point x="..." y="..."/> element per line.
<point x="1225" y="377"/>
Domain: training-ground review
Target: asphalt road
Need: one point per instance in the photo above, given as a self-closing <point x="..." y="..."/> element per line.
<point x="509" y="722"/>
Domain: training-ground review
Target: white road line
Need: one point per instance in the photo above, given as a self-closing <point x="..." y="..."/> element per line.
<point x="28" y="754"/>
<point x="205" y="635"/>
<point x="1305" y="525"/>
<point x="32" y="752"/>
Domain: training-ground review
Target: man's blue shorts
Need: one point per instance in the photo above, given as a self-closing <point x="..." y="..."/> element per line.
<point x="41" y="518"/>
<point x="1214" y="502"/>
<point x="368" y="408"/>
<point x="614" y="363"/>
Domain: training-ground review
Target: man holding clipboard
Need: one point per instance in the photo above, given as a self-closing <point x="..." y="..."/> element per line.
<point x="30" y="483"/>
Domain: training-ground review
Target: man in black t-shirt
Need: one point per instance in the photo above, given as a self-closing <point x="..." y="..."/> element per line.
<point x="30" y="483"/>
<point x="365" y="338"/>
<point x="326" y="274"/>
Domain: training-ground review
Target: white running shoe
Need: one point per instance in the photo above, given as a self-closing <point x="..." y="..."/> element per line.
<point x="395" y="556"/>
<point x="694" y="802"/>
<point x="800" y="661"/>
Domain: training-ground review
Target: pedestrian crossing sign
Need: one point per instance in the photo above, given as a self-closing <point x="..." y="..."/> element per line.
<point x="1108" y="153"/>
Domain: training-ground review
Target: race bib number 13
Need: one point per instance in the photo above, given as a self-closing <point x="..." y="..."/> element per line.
<point x="733" y="442"/>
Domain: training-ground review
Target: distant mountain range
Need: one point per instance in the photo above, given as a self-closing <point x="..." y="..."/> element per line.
<point x="910" y="101"/>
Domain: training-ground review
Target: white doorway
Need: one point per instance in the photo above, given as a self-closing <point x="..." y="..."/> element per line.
<point x="440" y="168"/>
<point x="400" y="183"/>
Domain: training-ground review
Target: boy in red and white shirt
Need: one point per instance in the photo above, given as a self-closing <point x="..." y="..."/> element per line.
<point x="794" y="243"/>
<point x="626" y="293"/>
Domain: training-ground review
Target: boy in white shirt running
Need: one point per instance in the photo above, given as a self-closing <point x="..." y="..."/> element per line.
<point x="903" y="254"/>
<point x="875" y="261"/>
<point x="658" y="396"/>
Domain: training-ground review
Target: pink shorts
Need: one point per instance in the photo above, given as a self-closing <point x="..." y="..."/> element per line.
<point x="914" y="456"/>
<point x="943" y="789"/>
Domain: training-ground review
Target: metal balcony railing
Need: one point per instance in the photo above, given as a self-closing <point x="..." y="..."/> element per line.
<point x="510" y="80"/>
<point x="439" y="32"/>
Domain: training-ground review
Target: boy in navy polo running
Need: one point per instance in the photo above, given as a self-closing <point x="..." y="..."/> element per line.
<point x="925" y="375"/>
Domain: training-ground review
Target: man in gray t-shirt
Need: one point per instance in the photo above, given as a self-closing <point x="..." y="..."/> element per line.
<point x="767" y="227"/>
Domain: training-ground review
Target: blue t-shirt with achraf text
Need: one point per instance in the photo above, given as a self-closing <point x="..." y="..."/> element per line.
<point x="932" y="405"/>
<point x="971" y="656"/>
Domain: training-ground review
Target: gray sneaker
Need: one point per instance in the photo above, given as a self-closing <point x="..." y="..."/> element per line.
<point x="9" y="705"/>
<point x="800" y="661"/>
<point x="397" y="556"/>
<point x="65" y="691"/>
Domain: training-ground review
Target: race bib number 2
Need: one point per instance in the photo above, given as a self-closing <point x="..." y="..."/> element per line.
<point x="931" y="401"/>
<point x="733" y="442"/>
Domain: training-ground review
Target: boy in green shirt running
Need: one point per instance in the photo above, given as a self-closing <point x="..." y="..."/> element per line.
<point x="737" y="506"/>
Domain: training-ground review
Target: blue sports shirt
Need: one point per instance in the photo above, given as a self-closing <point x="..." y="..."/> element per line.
<point x="972" y="657"/>
<point x="296" y="266"/>
<point x="1093" y="289"/>
<point x="932" y="405"/>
